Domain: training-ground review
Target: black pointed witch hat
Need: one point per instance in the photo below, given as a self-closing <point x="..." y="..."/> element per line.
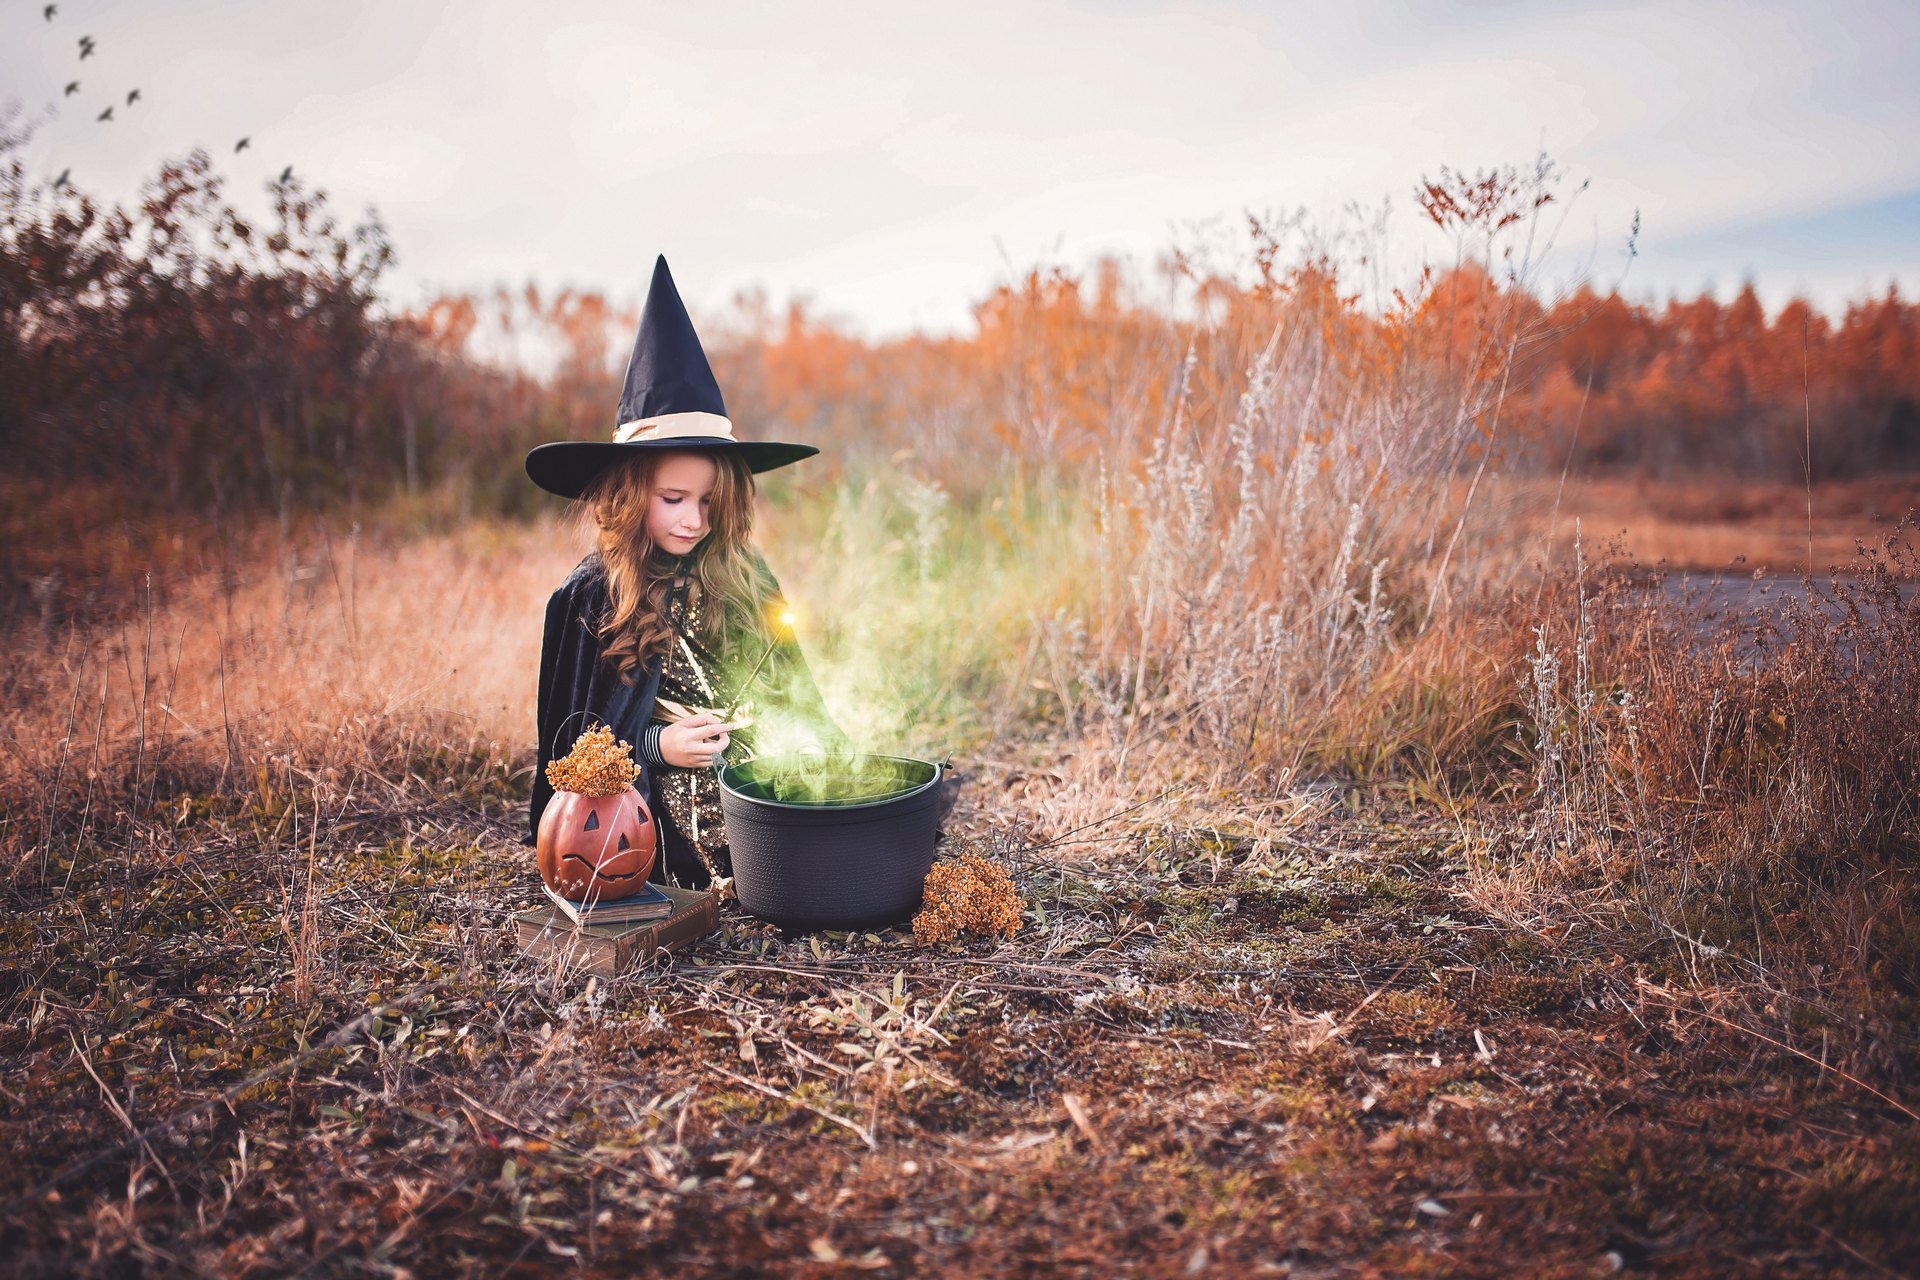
<point x="670" y="401"/>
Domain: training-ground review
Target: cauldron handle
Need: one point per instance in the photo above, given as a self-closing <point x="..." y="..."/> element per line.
<point x="944" y="800"/>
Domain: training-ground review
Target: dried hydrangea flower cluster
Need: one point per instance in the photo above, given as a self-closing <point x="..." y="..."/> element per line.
<point x="970" y="897"/>
<point x="597" y="765"/>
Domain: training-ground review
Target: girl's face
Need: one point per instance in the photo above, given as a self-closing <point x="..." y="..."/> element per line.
<point x="677" y="506"/>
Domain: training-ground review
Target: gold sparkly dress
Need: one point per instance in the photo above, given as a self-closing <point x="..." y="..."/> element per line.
<point x="692" y="796"/>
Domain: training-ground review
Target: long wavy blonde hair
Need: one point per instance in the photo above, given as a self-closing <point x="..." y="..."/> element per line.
<point x="640" y="573"/>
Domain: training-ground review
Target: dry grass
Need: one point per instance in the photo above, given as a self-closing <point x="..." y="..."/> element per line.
<point x="1746" y="780"/>
<point x="268" y="1014"/>
<point x="354" y="671"/>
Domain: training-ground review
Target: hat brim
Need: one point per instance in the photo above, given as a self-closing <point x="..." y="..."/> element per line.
<point x="567" y="467"/>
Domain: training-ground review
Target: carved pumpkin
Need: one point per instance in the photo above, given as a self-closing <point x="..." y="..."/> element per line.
<point x="596" y="847"/>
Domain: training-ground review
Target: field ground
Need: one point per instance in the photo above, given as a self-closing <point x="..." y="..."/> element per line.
<point x="1306" y="1054"/>
<point x="1701" y="525"/>
<point x="1292" y="1026"/>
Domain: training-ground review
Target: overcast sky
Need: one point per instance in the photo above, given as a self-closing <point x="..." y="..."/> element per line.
<point x="893" y="160"/>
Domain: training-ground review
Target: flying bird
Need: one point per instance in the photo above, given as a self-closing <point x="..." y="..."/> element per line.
<point x="133" y="97"/>
<point x="286" y="174"/>
<point x="86" y="47"/>
<point x="242" y="145"/>
<point x="61" y="181"/>
<point x="104" y="115"/>
<point x="73" y="87"/>
<point x="50" y="10"/>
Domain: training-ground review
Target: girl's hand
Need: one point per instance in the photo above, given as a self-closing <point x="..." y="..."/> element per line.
<point x="696" y="742"/>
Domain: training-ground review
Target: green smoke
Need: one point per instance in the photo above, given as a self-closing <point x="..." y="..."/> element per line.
<point x="823" y="779"/>
<point x="916" y="609"/>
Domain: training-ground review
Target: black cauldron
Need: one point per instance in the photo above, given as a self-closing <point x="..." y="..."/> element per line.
<point x="831" y="842"/>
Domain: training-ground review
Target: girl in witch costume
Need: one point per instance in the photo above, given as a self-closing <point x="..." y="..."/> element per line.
<point x="672" y="631"/>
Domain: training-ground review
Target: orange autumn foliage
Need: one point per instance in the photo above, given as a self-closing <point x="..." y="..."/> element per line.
<point x="261" y="373"/>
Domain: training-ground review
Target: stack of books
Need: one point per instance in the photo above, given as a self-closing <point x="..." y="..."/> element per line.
<point x="651" y="903"/>
<point x="610" y="938"/>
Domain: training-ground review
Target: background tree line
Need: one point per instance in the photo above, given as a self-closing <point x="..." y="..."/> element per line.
<point x="177" y="358"/>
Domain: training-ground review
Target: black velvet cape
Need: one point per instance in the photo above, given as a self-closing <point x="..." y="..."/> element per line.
<point x="579" y="689"/>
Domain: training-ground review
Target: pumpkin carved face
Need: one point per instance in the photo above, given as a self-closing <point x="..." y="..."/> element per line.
<point x="596" y="847"/>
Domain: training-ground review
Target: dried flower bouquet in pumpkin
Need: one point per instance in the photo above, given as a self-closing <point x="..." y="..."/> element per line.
<point x="597" y="837"/>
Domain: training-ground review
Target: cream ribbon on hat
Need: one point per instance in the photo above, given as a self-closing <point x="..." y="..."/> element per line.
<point x="672" y="426"/>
